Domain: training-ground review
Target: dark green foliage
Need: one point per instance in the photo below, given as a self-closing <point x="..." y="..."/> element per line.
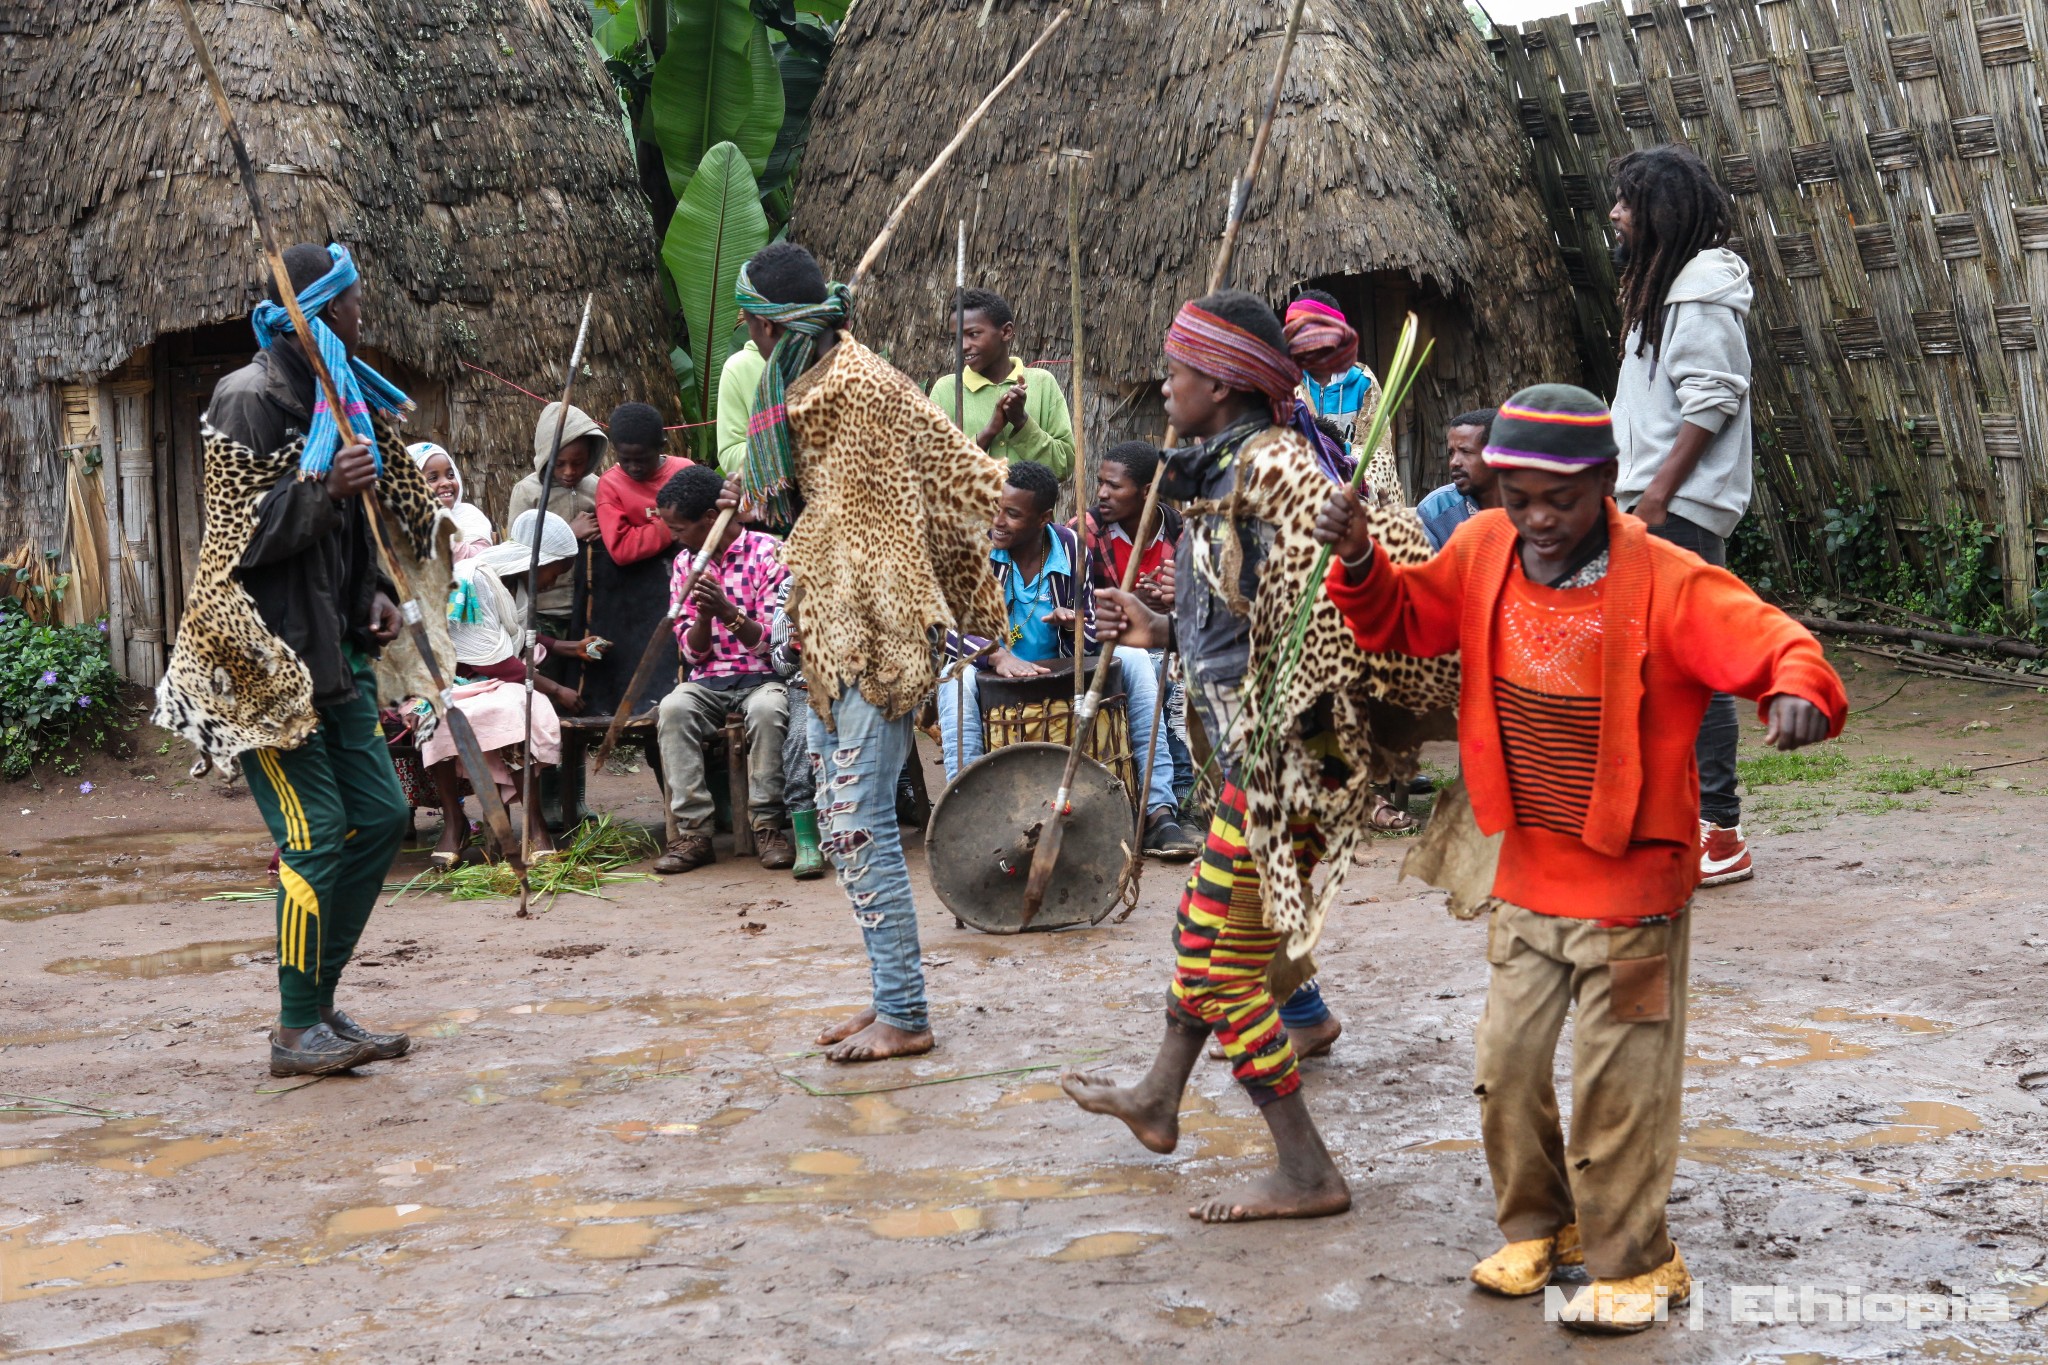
<point x="57" y="687"/>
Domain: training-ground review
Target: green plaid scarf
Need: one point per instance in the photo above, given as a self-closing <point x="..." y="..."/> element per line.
<point x="767" y="487"/>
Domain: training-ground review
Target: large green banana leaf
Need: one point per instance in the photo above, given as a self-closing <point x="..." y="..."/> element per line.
<point x="717" y="225"/>
<point x="716" y="82"/>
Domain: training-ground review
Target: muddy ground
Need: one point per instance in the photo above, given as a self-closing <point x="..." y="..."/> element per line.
<point x="605" y="1145"/>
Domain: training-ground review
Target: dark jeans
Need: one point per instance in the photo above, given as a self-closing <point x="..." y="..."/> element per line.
<point x="1719" y="729"/>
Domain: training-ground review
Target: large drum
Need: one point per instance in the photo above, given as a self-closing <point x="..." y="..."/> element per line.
<point x="1040" y="710"/>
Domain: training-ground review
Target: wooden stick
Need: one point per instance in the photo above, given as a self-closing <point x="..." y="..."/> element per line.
<point x="459" y="728"/>
<point x="1990" y="644"/>
<point x="1045" y="856"/>
<point x="1079" y="423"/>
<point x="531" y="634"/>
<point x="917" y="186"/>
<point x="645" y="668"/>
<point x="960" y="332"/>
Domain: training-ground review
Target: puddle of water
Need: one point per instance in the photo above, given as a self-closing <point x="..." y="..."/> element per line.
<point x="1917" y="1121"/>
<point x="1103" y="1246"/>
<point x="192" y="958"/>
<point x="124" y="1145"/>
<point x="1993" y="1170"/>
<point x="826" y="1163"/>
<point x="380" y="1218"/>
<point x="611" y="1241"/>
<point x="419" y="1167"/>
<point x="172" y="1337"/>
<point x="1190" y="1315"/>
<point x="77" y="873"/>
<point x="868" y="1116"/>
<point x="32" y="1269"/>
<point x="636" y="1208"/>
<point x="1911" y="1023"/>
<point x="912" y="1223"/>
<point x="1448" y="1145"/>
<point x="1032" y="1094"/>
<point x="726" y="1118"/>
<point x="480" y="1095"/>
<point x="1220" y="1135"/>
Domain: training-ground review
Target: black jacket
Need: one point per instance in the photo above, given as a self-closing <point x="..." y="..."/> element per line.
<point x="310" y="565"/>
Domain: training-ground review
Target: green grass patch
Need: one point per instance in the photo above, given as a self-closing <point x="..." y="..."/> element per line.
<point x="1900" y="779"/>
<point x="1773" y="768"/>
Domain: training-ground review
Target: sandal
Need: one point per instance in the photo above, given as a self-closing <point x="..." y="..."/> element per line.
<point x="441" y="860"/>
<point x="1387" y="819"/>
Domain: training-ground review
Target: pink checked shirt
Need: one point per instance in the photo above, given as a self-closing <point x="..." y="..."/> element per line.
<point x="752" y="578"/>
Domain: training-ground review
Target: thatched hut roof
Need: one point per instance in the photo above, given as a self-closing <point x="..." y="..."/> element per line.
<point x="470" y="153"/>
<point x="1395" y="150"/>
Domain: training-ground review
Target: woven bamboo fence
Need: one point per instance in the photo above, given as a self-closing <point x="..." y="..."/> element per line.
<point x="1889" y="168"/>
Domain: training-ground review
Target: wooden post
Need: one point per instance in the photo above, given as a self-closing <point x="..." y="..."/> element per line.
<point x="736" y="748"/>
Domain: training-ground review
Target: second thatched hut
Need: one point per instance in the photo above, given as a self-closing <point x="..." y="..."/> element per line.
<point x="1396" y="180"/>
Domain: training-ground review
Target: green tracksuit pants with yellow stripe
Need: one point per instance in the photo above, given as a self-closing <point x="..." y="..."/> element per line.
<point x="336" y="812"/>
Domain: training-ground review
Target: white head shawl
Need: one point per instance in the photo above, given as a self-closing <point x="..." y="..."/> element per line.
<point x="493" y="636"/>
<point x="470" y="522"/>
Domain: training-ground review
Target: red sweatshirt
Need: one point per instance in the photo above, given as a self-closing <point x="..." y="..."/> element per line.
<point x="1576" y="724"/>
<point x="625" y="512"/>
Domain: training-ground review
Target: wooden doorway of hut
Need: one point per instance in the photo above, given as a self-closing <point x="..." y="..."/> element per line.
<point x="1377" y="303"/>
<point x="188" y="364"/>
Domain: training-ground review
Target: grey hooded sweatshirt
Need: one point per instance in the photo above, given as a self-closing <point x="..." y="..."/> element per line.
<point x="1699" y="375"/>
<point x="562" y="502"/>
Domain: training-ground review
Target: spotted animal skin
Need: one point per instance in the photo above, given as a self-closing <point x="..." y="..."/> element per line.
<point x="230" y="684"/>
<point x="1375" y="706"/>
<point x="893" y="542"/>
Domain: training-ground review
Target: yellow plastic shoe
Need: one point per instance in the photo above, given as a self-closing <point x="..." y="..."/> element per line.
<point x="1632" y="1304"/>
<point x="1520" y="1269"/>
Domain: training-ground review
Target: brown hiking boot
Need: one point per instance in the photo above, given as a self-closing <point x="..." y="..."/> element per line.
<point x="685" y="853"/>
<point x="777" y="853"/>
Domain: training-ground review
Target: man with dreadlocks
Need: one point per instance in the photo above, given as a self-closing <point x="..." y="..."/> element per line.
<point x="1230" y="385"/>
<point x="1681" y="413"/>
<point x="890" y="505"/>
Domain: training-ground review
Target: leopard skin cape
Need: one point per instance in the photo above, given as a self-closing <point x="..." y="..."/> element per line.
<point x="1375" y="709"/>
<point x="230" y="684"/>
<point x="892" y="545"/>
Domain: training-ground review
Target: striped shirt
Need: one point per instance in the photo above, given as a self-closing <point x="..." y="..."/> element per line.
<point x="1546" y="686"/>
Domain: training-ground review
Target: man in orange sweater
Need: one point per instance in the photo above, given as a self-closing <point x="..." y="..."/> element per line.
<point x="1590" y="650"/>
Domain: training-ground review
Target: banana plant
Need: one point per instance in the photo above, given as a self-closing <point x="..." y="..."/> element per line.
<point x="715" y="82"/>
<point x="718" y="224"/>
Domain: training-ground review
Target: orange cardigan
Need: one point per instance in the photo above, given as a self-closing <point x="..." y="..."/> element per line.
<point x="1675" y="630"/>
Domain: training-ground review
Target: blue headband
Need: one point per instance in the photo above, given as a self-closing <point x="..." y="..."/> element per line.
<point x="361" y="387"/>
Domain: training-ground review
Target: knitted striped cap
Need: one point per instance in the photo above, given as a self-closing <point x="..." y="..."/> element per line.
<point x="1558" y="428"/>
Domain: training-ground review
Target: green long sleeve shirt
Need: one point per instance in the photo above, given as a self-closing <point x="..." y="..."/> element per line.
<point x="1047" y="435"/>
<point x="738" y="382"/>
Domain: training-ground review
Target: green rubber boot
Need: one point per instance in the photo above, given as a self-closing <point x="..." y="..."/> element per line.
<point x="810" y="862"/>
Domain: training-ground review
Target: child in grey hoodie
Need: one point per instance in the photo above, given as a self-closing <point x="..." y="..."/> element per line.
<point x="1682" y="413"/>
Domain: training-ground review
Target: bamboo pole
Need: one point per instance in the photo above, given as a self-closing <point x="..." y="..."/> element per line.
<point x="1045" y="856"/>
<point x="459" y="728"/>
<point x="645" y="668"/>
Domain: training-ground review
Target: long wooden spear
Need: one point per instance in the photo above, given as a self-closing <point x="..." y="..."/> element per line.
<point x="644" y="670"/>
<point x="445" y="711"/>
<point x="1045" y="856"/>
<point x="1076" y="162"/>
<point x="531" y="637"/>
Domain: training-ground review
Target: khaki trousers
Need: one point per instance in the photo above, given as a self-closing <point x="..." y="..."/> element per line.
<point x="686" y="721"/>
<point x="1628" y="1064"/>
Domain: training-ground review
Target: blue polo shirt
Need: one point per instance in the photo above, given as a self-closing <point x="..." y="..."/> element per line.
<point x="1031" y="637"/>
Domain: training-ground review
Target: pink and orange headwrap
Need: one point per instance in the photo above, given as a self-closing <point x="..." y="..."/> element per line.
<point x="1203" y="341"/>
<point x="1319" y="337"/>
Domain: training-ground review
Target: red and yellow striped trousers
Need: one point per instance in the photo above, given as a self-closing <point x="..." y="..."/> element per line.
<point x="1222" y="948"/>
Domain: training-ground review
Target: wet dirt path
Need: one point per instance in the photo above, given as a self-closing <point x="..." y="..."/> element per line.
<point x="609" y="1153"/>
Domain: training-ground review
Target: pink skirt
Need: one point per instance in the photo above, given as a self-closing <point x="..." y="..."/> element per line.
<point x="497" y="712"/>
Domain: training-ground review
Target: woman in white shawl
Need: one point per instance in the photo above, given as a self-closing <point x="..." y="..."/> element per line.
<point x="486" y="615"/>
<point x="474" y="530"/>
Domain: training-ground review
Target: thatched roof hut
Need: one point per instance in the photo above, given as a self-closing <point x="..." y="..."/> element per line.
<point x="1396" y="179"/>
<point x="470" y="154"/>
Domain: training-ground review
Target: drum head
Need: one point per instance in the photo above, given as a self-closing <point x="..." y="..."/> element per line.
<point x="985" y="826"/>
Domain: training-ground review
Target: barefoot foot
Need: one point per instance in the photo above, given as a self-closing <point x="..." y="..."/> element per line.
<point x="1277" y="1196"/>
<point x="840" y="1032"/>
<point x="1153" y="1121"/>
<point x="879" y="1041"/>
<point x="1313" y="1041"/>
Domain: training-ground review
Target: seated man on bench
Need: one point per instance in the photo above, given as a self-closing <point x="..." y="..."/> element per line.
<point x="723" y="632"/>
<point x="1035" y="562"/>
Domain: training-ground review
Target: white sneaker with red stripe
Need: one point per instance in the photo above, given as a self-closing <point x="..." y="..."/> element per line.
<point x="1724" y="855"/>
